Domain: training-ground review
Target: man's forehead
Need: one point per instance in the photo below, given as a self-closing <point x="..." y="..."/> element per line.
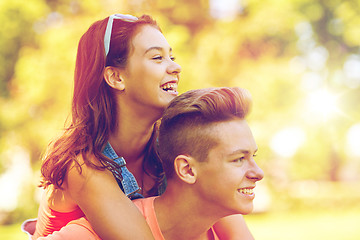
<point x="233" y="137"/>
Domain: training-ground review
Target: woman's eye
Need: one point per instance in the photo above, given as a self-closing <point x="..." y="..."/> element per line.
<point x="172" y="58"/>
<point x="158" y="58"/>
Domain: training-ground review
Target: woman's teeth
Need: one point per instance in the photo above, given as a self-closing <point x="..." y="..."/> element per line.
<point x="169" y="87"/>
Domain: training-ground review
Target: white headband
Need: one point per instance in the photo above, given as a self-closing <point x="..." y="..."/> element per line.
<point x="107" y="36"/>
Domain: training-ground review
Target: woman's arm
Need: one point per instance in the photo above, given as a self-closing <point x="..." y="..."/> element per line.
<point x="111" y="214"/>
<point x="233" y="227"/>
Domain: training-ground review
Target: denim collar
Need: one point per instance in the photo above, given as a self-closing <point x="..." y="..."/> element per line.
<point x="127" y="182"/>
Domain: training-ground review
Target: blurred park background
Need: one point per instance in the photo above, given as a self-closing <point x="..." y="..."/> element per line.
<point x="299" y="58"/>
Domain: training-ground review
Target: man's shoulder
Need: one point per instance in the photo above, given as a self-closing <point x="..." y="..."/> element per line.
<point x="212" y="234"/>
<point x="144" y="204"/>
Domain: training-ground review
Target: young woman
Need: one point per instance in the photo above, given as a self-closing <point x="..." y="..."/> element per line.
<point x="125" y="76"/>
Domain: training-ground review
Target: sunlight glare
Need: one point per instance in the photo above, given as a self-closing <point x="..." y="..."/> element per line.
<point x="226" y="9"/>
<point x="287" y="141"/>
<point x="322" y="104"/>
<point x="353" y="140"/>
<point x="13" y="179"/>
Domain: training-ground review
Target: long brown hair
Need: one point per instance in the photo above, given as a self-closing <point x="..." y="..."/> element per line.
<point x="93" y="115"/>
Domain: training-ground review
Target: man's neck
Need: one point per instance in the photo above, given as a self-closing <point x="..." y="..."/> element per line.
<point x="186" y="220"/>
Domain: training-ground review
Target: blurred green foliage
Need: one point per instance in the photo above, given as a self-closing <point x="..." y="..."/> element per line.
<point x="281" y="50"/>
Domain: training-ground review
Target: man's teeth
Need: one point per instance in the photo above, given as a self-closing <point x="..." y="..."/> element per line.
<point x="246" y="190"/>
<point x="169" y="87"/>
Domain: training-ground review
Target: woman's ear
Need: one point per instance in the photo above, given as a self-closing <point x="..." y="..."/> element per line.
<point x="113" y="78"/>
<point x="185" y="168"/>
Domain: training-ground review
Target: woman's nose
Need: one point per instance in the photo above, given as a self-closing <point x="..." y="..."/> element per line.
<point x="174" y="68"/>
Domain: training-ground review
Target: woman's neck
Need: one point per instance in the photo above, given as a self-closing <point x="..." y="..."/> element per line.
<point x="130" y="138"/>
<point x="133" y="131"/>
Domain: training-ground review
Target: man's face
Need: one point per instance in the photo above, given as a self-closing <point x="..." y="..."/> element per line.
<point x="226" y="180"/>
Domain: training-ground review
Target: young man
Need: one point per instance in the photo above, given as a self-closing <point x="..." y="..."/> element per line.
<point x="207" y="150"/>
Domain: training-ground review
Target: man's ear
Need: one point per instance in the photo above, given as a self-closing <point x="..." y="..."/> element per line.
<point x="112" y="76"/>
<point x="185" y="168"/>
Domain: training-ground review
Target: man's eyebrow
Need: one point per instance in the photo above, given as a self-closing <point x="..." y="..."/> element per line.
<point x="242" y="151"/>
<point x="156" y="48"/>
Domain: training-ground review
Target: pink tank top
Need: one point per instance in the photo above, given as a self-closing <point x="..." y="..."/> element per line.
<point x="50" y="220"/>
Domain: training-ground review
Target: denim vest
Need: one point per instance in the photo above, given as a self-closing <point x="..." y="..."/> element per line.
<point x="127" y="181"/>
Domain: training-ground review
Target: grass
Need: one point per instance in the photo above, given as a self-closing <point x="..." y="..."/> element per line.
<point x="309" y="225"/>
<point x="12" y="232"/>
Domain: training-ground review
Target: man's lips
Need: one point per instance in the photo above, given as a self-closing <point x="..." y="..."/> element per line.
<point x="247" y="191"/>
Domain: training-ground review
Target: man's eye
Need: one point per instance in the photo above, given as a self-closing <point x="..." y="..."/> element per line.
<point x="239" y="159"/>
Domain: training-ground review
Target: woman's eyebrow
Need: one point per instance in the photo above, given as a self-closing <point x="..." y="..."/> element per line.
<point x="157" y="48"/>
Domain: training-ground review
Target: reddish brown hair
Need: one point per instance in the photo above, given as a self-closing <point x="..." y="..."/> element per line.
<point x="186" y="124"/>
<point x="94" y="110"/>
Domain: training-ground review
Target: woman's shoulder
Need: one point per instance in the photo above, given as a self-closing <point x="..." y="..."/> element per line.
<point x="82" y="178"/>
<point x="59" y="200"/>
<point x="79" y="172"/>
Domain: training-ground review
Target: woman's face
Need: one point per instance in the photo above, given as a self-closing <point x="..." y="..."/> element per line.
<point x="151" y="76"/>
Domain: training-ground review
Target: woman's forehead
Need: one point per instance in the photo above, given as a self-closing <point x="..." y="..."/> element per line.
<point x="149" y="37"/>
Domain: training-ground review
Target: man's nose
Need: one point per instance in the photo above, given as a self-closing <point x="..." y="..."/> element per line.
<point x="255" y="173"/>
